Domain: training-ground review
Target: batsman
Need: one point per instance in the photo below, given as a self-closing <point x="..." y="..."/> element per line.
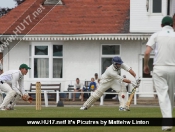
<point x="111" y="79"/>
<point x="8" y="84"/>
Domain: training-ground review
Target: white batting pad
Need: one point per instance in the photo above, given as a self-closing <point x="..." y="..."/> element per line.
<point x="93" y="98"/>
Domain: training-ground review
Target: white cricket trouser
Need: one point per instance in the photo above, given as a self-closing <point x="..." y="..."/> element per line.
<point x="118" y="87"/>
<point x="1" y="97"/>
<point x="5" y="87"/>
<point x="9" y="94"/>
<point x="164" y="79"/>
<point x="14" y="101"/>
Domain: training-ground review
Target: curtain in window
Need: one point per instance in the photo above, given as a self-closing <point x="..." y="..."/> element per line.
<point x="57" y="68"/>
<point x="43" y="68"/>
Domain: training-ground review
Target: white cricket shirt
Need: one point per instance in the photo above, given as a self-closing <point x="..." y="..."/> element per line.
<point x="13" y="77"/>
<point x="112" y="73"/>
<point x="163" y="44"/>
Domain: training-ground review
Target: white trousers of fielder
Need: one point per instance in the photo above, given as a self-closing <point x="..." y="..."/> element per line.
<point x="10" y="93"/>
<point x="164" y="79"/>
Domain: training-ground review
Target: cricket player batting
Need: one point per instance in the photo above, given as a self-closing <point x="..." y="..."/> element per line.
<point x="111" y="79"/>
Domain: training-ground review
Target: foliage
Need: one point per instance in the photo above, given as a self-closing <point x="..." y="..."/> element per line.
<point x="18" y="2"/>
<point x="4" y="11"/>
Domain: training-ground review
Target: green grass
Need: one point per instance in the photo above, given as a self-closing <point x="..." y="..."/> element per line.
<point x="74" y="112"/>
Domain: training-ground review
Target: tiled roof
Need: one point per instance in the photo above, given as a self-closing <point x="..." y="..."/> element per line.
<point x="73" y="17"/>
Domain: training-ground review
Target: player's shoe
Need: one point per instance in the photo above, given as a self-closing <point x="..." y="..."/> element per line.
<point x="10" y="107"/>
<point x="123" y="109"/>
<point x="127" y="109"/>
<point x="3" y="108"/>
<point x="115" y="97"/>
<point x="167" y="129"/>
<point x="83" y="108"/>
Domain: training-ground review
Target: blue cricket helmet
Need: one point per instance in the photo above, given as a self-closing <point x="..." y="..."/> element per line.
<point x="117" y="60"/>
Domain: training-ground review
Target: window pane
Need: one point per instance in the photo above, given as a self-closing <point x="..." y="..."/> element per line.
<point x="110" y="49"/>
<point x="57" y="50"/>
<point x="41" y="68"/>
<point x="57" y="68"/>
<point x="150" y="68"/>
<point x="41" y="50"/>
<point x="157" y="6"/>
<point x="106" y="62"/>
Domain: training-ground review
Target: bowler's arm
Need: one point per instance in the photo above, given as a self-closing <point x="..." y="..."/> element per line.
<point x="146" y="59"/>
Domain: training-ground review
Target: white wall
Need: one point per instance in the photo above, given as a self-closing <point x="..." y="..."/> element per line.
<point x="14" y="56"/>
<point x="140" y="21"/>
<point x="173" y="7"/>
<point x="80" y="59"/>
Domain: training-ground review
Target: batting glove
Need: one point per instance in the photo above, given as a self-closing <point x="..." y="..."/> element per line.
<point x="138" y="81"/>
<point x="134" y="84"/>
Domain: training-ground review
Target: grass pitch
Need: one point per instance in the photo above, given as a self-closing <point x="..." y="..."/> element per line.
<point x="74" y="112"/>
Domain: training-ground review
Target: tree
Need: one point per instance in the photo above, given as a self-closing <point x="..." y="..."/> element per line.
<point x="4" y="11"/>
<point x="18" y="2"/>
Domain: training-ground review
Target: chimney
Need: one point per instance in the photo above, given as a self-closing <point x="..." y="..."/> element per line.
<point x="53" y="2"/>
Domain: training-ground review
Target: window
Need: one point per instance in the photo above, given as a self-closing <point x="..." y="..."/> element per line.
<point x="57" y="61"/>
<point x="46" y="61"/>
<point x="108" y="52"/>
<point x="53" y="2"/>
<point x="41" y="50"/>
<point x="168" y="7"/>
<point x="154" y="6"/>
<point x="157" y="6"/>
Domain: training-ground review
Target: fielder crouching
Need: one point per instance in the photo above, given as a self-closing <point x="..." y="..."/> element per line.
<point x="111" y="79"/>
<point x="8" y="85"/>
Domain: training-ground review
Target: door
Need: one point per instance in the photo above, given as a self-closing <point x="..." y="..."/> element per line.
<point x="146" y="81"/>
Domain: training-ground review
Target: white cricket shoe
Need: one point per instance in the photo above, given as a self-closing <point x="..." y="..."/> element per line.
<point x="167" y="128"/>
<point x="83" y="108"/>
<point x="3" y="108"/>
<point x="123" y="109"/>
<point x="127" y="109"/>
<point x="9" y="107"/>
<point x="115" y="97"/>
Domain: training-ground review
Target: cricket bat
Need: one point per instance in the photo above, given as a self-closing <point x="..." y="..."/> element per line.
<point x="132" y="95"/>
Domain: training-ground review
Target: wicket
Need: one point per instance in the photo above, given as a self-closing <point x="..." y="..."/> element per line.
<point x="38" y="96"/>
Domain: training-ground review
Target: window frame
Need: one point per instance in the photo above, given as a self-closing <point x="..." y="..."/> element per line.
<point x="150" y="10"/>
<point x="50" y="56"/>
<point x="108" y="56"/>
<point x="56" y="57"/>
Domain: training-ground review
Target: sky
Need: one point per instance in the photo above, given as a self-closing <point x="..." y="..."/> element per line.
<point x="7" y="3"/>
